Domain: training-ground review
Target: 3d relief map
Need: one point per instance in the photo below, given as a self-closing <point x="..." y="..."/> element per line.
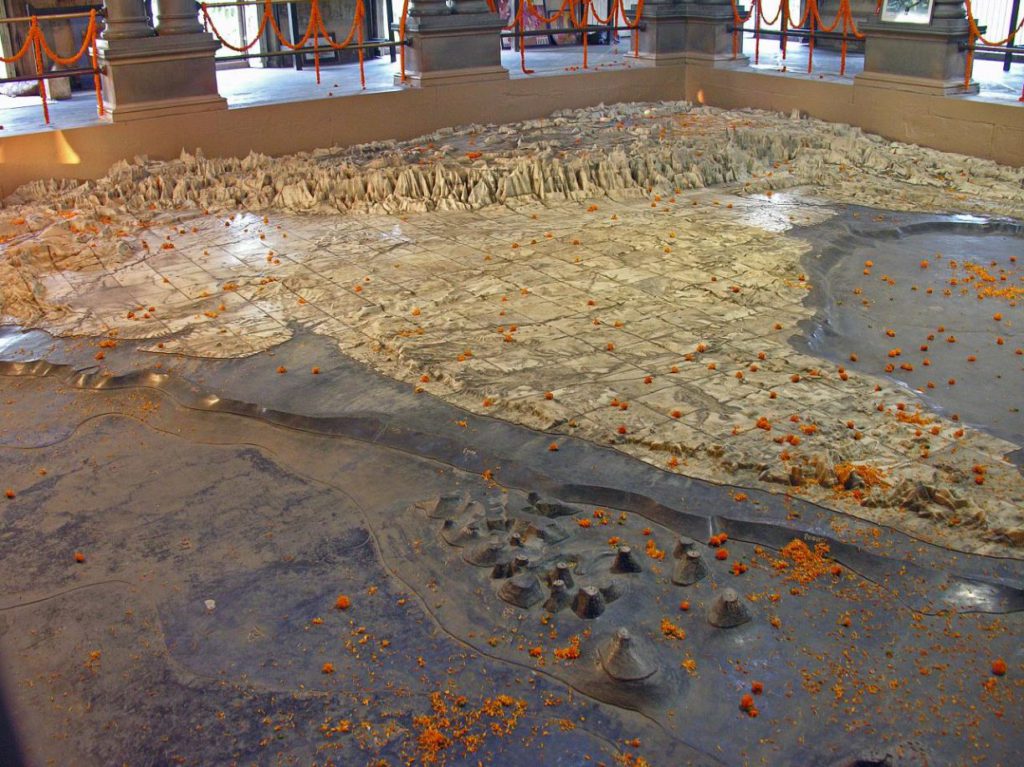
<point x="649" y="434"/>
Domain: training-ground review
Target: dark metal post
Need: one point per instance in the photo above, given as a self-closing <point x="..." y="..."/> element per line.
<point x="1014" y="13"/>
<point x="293" y="30"/>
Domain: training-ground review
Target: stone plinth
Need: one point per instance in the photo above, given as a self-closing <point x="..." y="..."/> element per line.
<point x="151" y="76"/>
<point x="689" y="33"/>
<point x="452" y="43"/>
<point x="925" y="58"/>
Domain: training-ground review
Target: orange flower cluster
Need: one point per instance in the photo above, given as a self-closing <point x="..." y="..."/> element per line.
<point x="453" y="721"/>
<point x="671" y="630"/>
<point x="869" y="475"/>
<point x="803" y="563"/>
<point x="653" y="551"/>
<point x="570" y="651"/>
<point x="747" y="705"/>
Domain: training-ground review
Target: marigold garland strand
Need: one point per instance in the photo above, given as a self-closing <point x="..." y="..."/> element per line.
<point x="36" y="42"/>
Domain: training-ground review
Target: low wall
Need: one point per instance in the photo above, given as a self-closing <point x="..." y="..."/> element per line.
<point x="963" y="124"/>
<point x="277" y="129"/>
<point x="957" y="124"/>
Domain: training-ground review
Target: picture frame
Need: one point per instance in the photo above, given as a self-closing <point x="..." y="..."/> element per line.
<point x="907" y="11"/>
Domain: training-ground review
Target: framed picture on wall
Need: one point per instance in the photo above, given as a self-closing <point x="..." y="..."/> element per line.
<point x="907" y="11"/>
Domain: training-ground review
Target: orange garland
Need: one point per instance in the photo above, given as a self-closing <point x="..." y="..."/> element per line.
<point x="315" y="29"/>
<point x="975" y="35"/>
<point x="401" y="35"/>
<point x="811" y="17"/>
<point x="576" y="13"/>
<point x="37" y="42"/>
<point x="737" y="25"/>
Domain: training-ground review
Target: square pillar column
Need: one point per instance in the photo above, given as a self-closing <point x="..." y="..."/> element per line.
<point x="148" y="72"/>
<point x="921" y="58"/>
<point x="689" y="32"/>
<point x="452" y="41"/>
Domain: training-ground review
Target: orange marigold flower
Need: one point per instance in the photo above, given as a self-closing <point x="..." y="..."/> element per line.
<point x="999" y="667"/>
<point x="757" y="688"/>
<point x="342" y="602"/>
<point x="79" y="557"/>
<point x="671" y="630"/>
<point x="653" y="551"/>
<point x="722" y="554"/>
<point x="327" y="668"/>
<point x="553" y="447"/>
<point x="570" y="652"/>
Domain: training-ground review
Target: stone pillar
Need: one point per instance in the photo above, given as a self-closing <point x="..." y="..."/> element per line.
<point x="689" y="32"/>
<point x="126" y="19"/>
<point x="662" y="32"/>
<point x="923" y="58"/>
<point x="149" y="72"/>
<point x="452" y="41"/>
<point x="177" y="17"/>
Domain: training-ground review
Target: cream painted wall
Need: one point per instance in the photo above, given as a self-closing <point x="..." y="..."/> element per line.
<point x="957" y="124"/>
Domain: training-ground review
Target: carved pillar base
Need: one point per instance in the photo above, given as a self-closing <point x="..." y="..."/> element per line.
<point x="694" y="33"/>
<point x="152" y="76"/>
<point x="453" y="48"/>
<point x="662" y="37"/>
<point x="919" y="58"/>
